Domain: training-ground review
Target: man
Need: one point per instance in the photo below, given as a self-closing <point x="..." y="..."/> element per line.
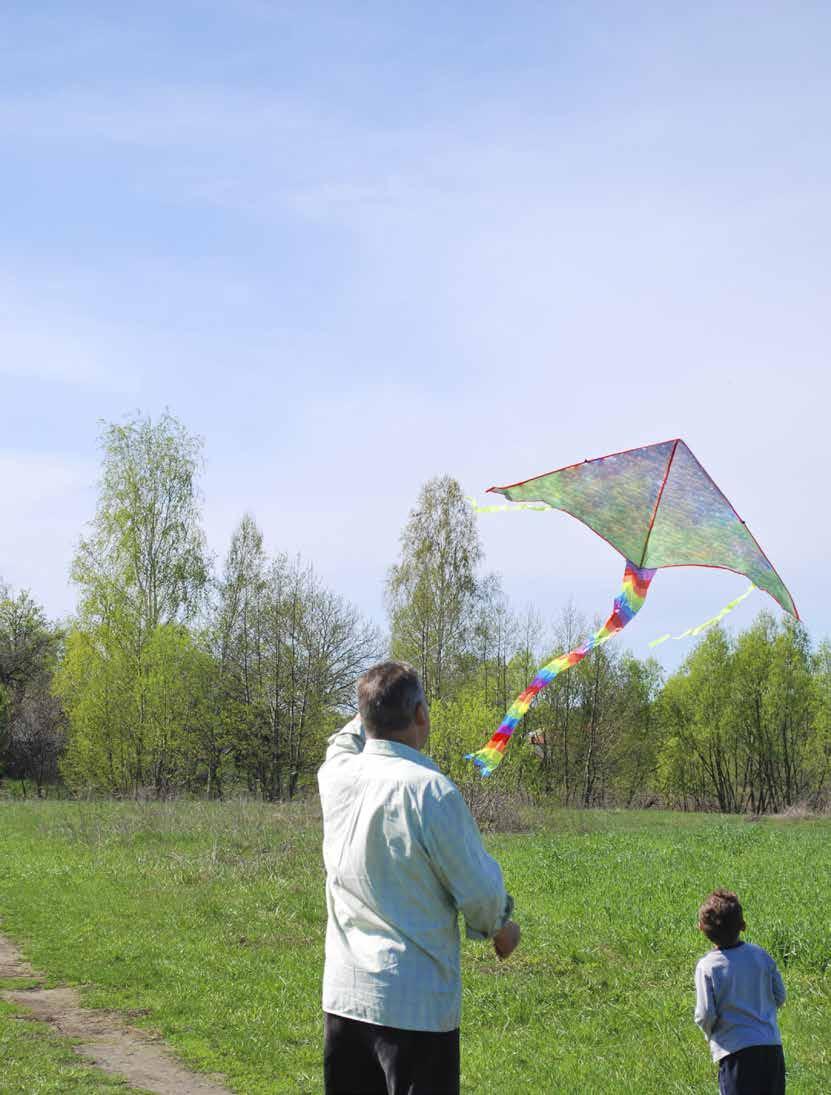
<point x="403" y="857"/>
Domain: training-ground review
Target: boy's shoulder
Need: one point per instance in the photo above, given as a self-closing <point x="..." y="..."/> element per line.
<point x="760" y="954"/>
<point x="744" y="953"/>
<point x="708" y="960"/>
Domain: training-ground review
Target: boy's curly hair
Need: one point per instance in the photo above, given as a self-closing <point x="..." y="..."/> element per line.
<point x="721" y="918"/>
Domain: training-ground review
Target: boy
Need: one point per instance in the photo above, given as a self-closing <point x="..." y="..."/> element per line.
<point x="738" y="990"/>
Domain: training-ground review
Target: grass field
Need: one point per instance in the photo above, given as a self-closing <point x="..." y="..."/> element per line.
<point x="206" y="923"/>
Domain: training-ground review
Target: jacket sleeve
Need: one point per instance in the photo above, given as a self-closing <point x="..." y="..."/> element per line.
<point x="349" y="740"/>
<point x="777" y="985"/>
<point x="471" y="877"/>
<point x="705" y="1000"/>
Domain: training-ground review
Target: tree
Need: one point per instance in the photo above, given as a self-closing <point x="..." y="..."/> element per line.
<point x="559" y="738"/>
<point x="596" y="678"/>
<point x="741" y="721"/>
<point x="459" y="726"/>
<point x="145" y="559"/>
<point x="746" y="715"/>
<point x="235" y="637"/>
<point x="313" y="647"/>
<point x="432" y="590"/>
<point x="493" y="638"/>
<point x="31" y="721"/>
<point x="819" y="746"/>
<point x="27" y="641"/>
<point x="5" y="705"/>
<point x="241" y="589"/>
<point x="141" y="571"/>
<point x="96" y="682"/>
<point x="37" y="735"/>
<point x="634" y="752"/>
<point x="191" y="729"/>
<point x="289" y="651"/>
<point x="697" y="708"/>
<point x="788" y="711"/>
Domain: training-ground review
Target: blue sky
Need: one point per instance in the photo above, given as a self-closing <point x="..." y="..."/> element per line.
<point x="355" y="246"/>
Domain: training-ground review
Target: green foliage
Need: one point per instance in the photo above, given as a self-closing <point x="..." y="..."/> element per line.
<point x="459" y="726"/>
<point x="27" y="641"/>
<point x="818" y="748"/>
<point x="157" y="727"/>
<point x="743" y="722"/>
<point x="97" y="685"/>
<point x="5" y="712"/>
<point x="183" y="730"/>
<point x="31" y="723"/>
<point x="174" y="682"/>
<point x="211" y="917"/>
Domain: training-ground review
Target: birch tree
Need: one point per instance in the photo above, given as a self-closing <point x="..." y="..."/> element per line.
<point x="142" y="567"/>
<point x="431" y="591"/>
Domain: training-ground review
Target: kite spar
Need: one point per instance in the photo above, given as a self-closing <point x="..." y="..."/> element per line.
<point x="658" y="507"/>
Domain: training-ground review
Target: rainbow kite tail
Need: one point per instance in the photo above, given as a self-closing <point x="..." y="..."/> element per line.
<point x="627" y="605"/>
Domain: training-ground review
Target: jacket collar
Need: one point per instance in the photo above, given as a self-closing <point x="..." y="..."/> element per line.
<point x="382" y="747"/>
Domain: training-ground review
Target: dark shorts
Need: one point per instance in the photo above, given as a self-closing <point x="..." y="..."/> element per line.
<point x="363" y="1059"/>
<point x="757" y="1070"/>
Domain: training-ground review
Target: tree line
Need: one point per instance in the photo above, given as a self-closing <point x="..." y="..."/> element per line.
<point x="178" y="676"/>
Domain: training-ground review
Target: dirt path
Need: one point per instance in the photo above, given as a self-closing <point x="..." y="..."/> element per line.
<point x="103" y="1037"/>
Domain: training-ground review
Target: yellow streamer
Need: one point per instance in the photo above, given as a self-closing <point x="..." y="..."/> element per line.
<point x="507" y="509"/>
<point x="697" y="630"/>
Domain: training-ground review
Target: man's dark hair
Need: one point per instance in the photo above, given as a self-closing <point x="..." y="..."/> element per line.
<point x="388" y="695"/>
<point x="721" y="918"/>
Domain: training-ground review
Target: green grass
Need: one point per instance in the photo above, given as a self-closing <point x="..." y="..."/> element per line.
<point x="210" y="918"/>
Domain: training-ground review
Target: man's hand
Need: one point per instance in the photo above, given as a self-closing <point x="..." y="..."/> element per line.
<point x="506" y="939"/>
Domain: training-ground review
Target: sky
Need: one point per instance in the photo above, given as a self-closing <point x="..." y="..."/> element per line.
<point x="354" y="246"/>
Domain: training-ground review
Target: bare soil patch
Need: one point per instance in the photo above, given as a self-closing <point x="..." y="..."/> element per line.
<point x="102" y="1037"/>
<point x="12" y="964"/>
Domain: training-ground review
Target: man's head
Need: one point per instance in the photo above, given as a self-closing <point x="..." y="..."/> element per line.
<point x="721" y="919"/>
<point x="392" y="705"/>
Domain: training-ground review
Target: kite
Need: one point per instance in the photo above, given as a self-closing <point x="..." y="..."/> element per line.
<point x="658" y="507"/>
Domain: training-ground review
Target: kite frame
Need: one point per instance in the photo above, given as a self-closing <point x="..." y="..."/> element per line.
<point x="623" y="452"/>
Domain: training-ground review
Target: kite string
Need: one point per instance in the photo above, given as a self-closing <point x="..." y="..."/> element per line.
<point x="635" y="587"/>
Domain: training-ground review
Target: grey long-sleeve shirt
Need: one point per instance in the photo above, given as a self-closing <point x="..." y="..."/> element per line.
<point x="403" y="857"/>
<point x="738" y="991"/>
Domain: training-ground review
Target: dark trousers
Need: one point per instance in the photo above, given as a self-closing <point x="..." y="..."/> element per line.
<point x="362" y="1059"/>
<point x="757" y="1070"/>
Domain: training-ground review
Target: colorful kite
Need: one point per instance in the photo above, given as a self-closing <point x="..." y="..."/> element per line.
<point x="658" y="507"/>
